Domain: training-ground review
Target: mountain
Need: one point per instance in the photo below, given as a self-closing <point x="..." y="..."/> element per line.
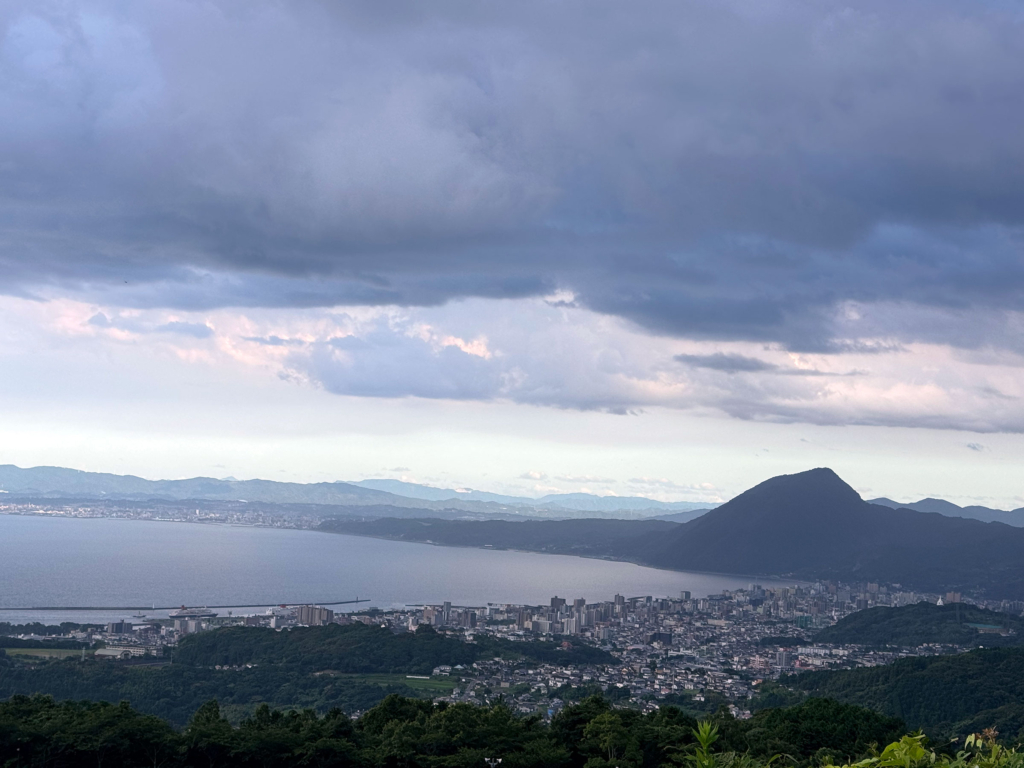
<point x="582" y="502"/>
<point x="682" y="517"/>
<point x="809" y="525"/>
<point x="612" y="539"/>
<point x="945" y="695"/>
<point x="430" y="493"/>
<point x="72" y="484"/>
<point x="813" y="525"/>
<point x="939" y="506"/>
<point x="61" y="482"/>
<point x="913" y="625"/>
<point x="588" y="502"/>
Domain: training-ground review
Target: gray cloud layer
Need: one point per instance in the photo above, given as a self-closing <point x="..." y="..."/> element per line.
<point x="739" y="170"/>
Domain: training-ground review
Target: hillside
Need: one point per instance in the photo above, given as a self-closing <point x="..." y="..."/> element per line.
<point x="813" y="525"/>
<point x="683" y="517"/>
<point x="616" y="539"/>
<point x="944" y="695"/>
<point x="914" y="625"/>
<point x="400" y="731"/>
<point x="352" y="667"/>
<point x="358" y="648"/>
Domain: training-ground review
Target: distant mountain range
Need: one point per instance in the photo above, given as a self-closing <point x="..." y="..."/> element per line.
<point x="809" y="525"/>
<point x="583" y="502"/>
<point x="949" y="509"/>
<point x="59" y="482"/>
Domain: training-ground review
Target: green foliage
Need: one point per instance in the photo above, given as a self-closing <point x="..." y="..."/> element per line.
<point x="945" y="696"/>
<point x="17" y="642"/>
<point x="803" y="729"/>
<point x="980" y="751"/>
<point x="37" y="731"/>
<point x="175" y="692"/>
<point x="35" y="628"/>
<point x="771" y="695"/>
<point x="347" y="667"/>
<point x="358" y="648"/>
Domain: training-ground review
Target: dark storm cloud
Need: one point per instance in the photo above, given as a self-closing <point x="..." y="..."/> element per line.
<point x="738" y="170"/>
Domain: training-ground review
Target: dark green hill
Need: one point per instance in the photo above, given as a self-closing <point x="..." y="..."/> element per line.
<point x="913" y="625"/>
<point x="944" y="695"/>
<point x="358" y="648"/>
<point x="36" y="731"/>
<point x="813" y="525"/>
<point x="352" y="667"/>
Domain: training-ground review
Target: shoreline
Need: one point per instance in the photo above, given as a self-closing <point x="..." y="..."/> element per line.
<point x="781" y="579"/>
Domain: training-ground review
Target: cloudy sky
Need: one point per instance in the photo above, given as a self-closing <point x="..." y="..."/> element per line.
<point x="667" y="248"/>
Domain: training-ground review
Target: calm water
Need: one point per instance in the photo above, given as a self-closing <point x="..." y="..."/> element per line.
<point x="95" y="562"/>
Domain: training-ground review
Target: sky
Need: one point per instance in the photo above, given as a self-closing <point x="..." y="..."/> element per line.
<point x="666" y="249"/>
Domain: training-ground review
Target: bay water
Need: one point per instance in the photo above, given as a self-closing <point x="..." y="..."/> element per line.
<point x="48" y="561"/>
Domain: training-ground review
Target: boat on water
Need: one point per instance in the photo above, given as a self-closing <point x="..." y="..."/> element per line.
<point x="192" y="613"/>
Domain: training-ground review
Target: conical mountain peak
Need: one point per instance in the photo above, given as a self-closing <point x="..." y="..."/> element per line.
<point x="820" y="485"/>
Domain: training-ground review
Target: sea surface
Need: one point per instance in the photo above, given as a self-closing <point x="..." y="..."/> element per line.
<point x="111" y="563"/>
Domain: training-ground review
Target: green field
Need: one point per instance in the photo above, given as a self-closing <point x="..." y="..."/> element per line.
<point x="44" y="653"/>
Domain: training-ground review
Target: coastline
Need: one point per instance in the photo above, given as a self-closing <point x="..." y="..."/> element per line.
<point x="226" y="524"/>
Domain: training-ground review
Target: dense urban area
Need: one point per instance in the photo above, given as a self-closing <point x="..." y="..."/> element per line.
<point x="701" y="652"/>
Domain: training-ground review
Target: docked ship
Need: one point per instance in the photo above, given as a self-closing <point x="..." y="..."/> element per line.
<point x="192" y="613"/>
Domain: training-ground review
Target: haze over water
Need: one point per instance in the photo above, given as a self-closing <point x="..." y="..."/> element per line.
<point x="55" y="561"/>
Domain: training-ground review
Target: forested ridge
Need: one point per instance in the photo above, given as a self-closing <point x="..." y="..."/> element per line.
<point x="944" y="695"/>
<point x="36" y="731"/>
<point x="914" y="625"/>
<point x="368" y="649"/>
<point x="306" y="667"/>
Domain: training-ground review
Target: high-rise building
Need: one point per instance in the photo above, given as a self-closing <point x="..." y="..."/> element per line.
<point x="188" y="626"/>
<point x="557" y="603"/>
<point x="314" y="615"/>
